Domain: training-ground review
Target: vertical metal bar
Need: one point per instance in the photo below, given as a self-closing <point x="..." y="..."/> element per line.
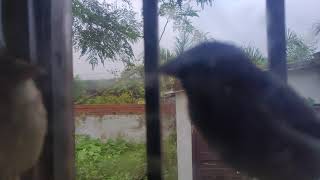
<point x="61" y="97"/>
<point x="151" y="56"/>
<point x="15" y="28"/>
<point x="61" y="80"/>
<point x="2" y="42"/>
<point x="32" y="33"/>
<point x="276" y="35"/>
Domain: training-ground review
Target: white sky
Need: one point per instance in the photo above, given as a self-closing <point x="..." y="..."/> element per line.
<point x="239" y="21"/>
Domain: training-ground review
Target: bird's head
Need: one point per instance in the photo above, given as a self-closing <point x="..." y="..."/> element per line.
<point x="14" y="71"/>
<point x="211" y="67"/>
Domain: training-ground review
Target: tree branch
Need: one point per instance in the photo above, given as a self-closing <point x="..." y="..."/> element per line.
<point x="164" y="29"/>
<point x="317" y="29"/>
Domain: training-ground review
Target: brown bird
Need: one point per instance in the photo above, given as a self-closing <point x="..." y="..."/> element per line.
<point x="23" y="118"/>
<point x="258" y="123"/>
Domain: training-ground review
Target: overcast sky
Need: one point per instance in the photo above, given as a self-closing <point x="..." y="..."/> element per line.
<point x="239" y="21"/>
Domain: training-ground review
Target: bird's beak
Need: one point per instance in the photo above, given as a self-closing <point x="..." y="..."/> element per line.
<point x="171" y="68"/>
<point x="25" y="70"/>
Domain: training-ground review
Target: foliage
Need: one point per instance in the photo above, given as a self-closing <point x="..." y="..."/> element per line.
<point x="183" y="42"/>
<point x="79" y="87"/>
<point x="180" y="15"/>
<point x="200" y="36"/>
<point x="113" y="160"/>
<point x="94" y="85"/>
<point x="188" y="38"/>
<point x="129" y="91"/>
<point x="170" y="157"/>
<point x="165" y="55"/>
<point x="188" y="35"/>
<point x="201" y="2"/>
<point x="255" y="55"/>
<point x="137" y="72"/>
<point x="310" y="101"/>
<point x="133" y="86"/>
<point x="129" y="88"/>
<point x="124" y="98"/>
<point x="104" y="31"/>
<point x="297" y="48"/>
<point x="119" y="159"/>
<point x="134" y="71"/>
<point x="132" y="78"/>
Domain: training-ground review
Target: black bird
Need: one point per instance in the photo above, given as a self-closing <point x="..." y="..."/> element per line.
<point x="259" y="124"/>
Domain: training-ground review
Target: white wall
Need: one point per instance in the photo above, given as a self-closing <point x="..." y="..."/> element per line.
<point x="184" y="138"/>
<point x="130" y="127"/>
<point x="306" y="82"/>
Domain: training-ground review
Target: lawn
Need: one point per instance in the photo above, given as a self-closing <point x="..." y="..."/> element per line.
<point x="120" y="159"/>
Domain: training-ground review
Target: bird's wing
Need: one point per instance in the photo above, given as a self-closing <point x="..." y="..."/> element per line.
<point x="289" y="108"/>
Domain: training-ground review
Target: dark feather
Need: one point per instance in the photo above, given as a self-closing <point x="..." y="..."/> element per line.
<point x="258" y="123"/>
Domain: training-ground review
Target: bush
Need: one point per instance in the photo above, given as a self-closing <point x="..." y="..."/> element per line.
<point x="170" y="158"/>
<point x="128" y="91"/>
<point x="119" y="159"/>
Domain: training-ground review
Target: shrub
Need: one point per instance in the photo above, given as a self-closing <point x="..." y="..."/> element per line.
<point x="119" y="159"/>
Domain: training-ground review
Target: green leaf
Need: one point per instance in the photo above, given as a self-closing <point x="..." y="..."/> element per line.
<point x="104" y="31"/>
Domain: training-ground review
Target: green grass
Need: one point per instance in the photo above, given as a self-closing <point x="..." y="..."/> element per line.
<point x="120" y="159"/>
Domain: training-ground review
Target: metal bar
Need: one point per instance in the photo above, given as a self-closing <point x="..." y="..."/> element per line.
<point x="276" y="35"/>
<point x="32" y="32"/>
<point x="2" y="42"/>
<point x="59" y="64"/>
<point x="151" y="56"/>
<point x="61" y="79"/>
<point x="15" y="28"/>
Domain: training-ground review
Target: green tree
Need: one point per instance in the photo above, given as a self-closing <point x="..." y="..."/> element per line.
<point x="183" y="42"/>
<point x="201" y="2"/>
<point x="200" y="36"/>
<point x="122" y="92"/>
<point x="104" y="31"/>
<point x="128" y="88"/>
<point x="297" y="48"/>
<point x="137" y="70"/>
<point x="136" y="74"/>
<point x="180" y="15"/>
<point x="255" y="55"/>
<point x="165" y="55"/>
<point x="188" y="38"/>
